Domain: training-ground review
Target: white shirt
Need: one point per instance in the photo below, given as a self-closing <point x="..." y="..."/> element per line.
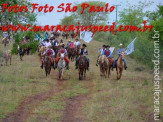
<point x="47" y="44"/>
<point x="77" y="43"/>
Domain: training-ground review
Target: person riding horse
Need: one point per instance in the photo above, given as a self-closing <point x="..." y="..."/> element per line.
<point x="108" y="54"/>
<point x="47" y="43"/>
<point x="77" y="43"/>
<point x="49" y="52"/>
<point x="62" y="50"/>
<point x="83" y="51"/>
<point x="119" y="50"/>
<point x="101" y="52"/>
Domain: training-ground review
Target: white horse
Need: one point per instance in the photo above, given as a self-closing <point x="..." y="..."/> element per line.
<point x="61" y="66"/>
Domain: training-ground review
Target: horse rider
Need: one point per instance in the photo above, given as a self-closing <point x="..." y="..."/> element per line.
<point x="49" y="52"/>
<point x="71" y="45"/>
<point x="101" y="52"/>
<point x="5" y="36"/>
<point x="47" y="43"/>
<point x="119" y="50"/>
<point x="61" y="41"/>
<point x="62" y="50"/>
<point x="108" y="54"/>
<point x="77" y="43"/>
<point x="68" y="43"/>
<point x="83" y="51"/>
<point x="56" y="43"/>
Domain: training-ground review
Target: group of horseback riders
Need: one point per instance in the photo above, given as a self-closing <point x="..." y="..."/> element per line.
<point x="105" y="50"/>
<point x="63" y="50"/>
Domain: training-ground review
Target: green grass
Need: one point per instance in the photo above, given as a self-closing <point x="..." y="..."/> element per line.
<point x="127" y="100"/>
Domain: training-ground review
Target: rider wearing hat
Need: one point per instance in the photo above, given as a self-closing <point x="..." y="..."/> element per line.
<point x="71" y="45"/>
<point x="119" y="50"/>
<point x="101" y="52"/>
<point x="77" y="43"/>
<point x="83" y="51"/>
<point x="108" y="54"/>
<point x="62" y="50"/>
<point x="49" y="52"/>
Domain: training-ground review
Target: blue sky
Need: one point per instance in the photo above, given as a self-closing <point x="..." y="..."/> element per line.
<point x="54" y="17"/>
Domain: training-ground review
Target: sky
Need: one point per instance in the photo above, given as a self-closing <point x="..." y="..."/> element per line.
<point x="55" y="17"/>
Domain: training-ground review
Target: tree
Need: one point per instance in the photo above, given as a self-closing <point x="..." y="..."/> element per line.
<point x="68" y="20"/>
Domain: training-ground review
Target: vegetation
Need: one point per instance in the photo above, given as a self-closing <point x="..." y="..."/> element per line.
<point x="132" y="15"/>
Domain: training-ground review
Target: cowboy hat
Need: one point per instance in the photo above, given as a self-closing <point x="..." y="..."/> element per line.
<point x="84" y="45"/>
<point x="120" y="44"/>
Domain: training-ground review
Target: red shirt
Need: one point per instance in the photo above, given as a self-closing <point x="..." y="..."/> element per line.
<point x="107" y="53"/>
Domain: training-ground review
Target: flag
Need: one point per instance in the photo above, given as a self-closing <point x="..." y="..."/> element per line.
<point x="37" y="36"/>
<point x="46" y="35"/>
<point x="130" y="47"/>
<point x="86" y="36"/>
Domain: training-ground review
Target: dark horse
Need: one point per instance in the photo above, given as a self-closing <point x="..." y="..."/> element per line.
<point x="82" y="67"/>
<point x="22" y="52"/>
<point x="72" y="35"/>
<point x="47" y="65"/>
<point x="56" y="49"/>
<point x="65" y="34"/>
<point x="77" y="51"/>
<point x="72" y="53"/>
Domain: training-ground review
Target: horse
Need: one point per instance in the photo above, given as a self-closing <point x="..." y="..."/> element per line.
<point x="104" y="66"/>
<point x="65" y="34"/>
<point x="21" y="52"/>
<point x="77" y="51"/>
<point x="72" y="35"/>
<point x="120" y="65"/>
<point x="4" y="41"/>
<point x="61" y="66"/>
<point x="41" y="51"/>
<point x="71" y="53"/>
<point x="56" y="34"/>
<point x="82" y="67"/>
<point x="6" y="57"/>
<point x="47" y="65"/>
<point x="56" y="49"/>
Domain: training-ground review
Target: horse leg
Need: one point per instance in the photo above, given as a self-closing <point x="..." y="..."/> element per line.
<point x="10" y="60"/>
<point x="117" y="73"/>
<point x="62" y="74"/>
<point x="108" y="71"/>
<point x="120" y="74"/>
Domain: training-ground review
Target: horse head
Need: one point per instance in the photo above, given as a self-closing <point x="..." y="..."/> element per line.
<point x="122" y="55"/>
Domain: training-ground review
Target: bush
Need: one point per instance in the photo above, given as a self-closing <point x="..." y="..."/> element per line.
<point x="18" y="38"/>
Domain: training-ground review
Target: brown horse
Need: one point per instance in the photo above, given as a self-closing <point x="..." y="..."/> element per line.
<point x="72" y="35"/>
<point x="41" y="51"/>
<point x="82" y="67"/>
<point x="65" y="34"/>
<point x="71" y="53"/>
<point x="77" y="51"/>
<point x="4" y="41"/>
<point x="56" y="49"/>
<point x="56" y="34"/>
<point x="6" y="57"/>
<point x="104" y="66"/>
<point x="47" y="65"/>
<point x="120" y="65"/>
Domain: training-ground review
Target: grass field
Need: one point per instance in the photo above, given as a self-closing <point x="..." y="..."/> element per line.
<point x="95" y="99"/>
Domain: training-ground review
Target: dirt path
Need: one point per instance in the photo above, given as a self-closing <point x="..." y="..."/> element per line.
<point x="73" y="110"/>
<point x="24" y="109"/>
